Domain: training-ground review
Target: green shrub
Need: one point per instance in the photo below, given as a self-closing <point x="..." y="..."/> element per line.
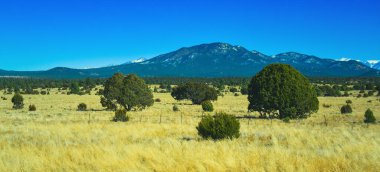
<point x="120" y="116"/>
<point x="220" y="126"/>
<point x="346" y="94"/>
<point x="236" y="94"/>
<point x="157" y="100"/>
<point x="175" y="108"/>
<point x="32" y="108"/>
<point x="18" y="101"/>
<point x="326" y="105"/>
<point x="82" y="107"/>
<point x="233" y="90"/>
<point x="346" y="109"/>
<point x="286" y="119"/>
<point x="207" y="106"/>
<point x="244" y="90"/>
<point x="369" y="117"/>
<point x="348" y="101"/>
<point x="371" y="93"/>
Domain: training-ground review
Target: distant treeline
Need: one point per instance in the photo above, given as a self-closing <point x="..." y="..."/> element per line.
<point x="324" y="84"/>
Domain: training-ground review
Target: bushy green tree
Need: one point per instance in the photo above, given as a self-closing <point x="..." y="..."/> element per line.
<point x="196" y="92"/>
<point x="74" y="88"/>
<point x="129" y="92"/>
<point x="281" y="91"/>
<point x="18" y="101"/>
<point x="220" y="126"/>
<point x="369" y="117"/>
<point x="207" y="106"/>
<point x="346" y="109"/>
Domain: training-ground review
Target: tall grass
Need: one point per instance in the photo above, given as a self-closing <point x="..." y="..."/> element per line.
<point x="59" y="138"/>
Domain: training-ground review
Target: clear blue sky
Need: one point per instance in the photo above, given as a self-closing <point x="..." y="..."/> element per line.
<point x="37" y="35"/>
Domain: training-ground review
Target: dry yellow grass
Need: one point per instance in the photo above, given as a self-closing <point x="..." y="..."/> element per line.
<point x="58" y="138"/>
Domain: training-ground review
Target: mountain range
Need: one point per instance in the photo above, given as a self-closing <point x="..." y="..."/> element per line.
<point x="212" y="60"/>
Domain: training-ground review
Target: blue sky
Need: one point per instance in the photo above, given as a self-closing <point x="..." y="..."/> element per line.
<point x="37" y="35"/>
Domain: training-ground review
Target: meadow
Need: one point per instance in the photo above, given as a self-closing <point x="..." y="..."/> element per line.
<point x="57" y="137"/>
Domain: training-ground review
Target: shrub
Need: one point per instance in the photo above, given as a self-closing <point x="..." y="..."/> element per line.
<point x="286" y="119"/>
<point x="326" y="105"/>
<point x="207" y="106"/>
<point x="233" y="90"/>
<point x="369" y="117"/>
<point x="359" y="95"/>
<point x="18" y="101"/>
<point x="82" y="107"/>
<point x="346" y="109"/>
<point x="365" y="95"/>
<point x="175" y="108"/>
<point x="349" y="102"/>
<point x="371" y="93"/>
<point x="220" y="126"/>
<point x="120" y="116"/>
<point x="346" y="94"/>
<point x="32" y="108"/>
<point x="157" y="100"/>
<point x="297" y="98"/>
<point x="244" y="90"/>
<point x="236" y="94"/>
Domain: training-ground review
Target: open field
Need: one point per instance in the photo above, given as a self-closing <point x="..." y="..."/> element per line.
<point x="58" y="138"/>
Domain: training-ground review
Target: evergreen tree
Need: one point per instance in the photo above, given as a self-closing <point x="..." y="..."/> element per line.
<point x="128" y="92"/>
<point x="196" y="92"/>
<point x="281" y="91"/>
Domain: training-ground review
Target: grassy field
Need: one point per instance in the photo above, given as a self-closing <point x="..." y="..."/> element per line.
<point x="56" y="137"/>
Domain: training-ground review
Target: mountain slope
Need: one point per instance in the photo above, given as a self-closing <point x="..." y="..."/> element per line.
<point x="376" y="66"/>
<point x="212" y="60"/>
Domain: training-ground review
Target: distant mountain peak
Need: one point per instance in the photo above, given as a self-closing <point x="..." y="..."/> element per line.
<point x="214" y="60"/>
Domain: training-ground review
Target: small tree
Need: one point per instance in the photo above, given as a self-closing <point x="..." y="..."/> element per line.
<point x="369" y="117"/>
<point x="120" y="116"/>
<point x="82" y="107"/>
<point x="32" y="108"/>
<point x="74" y="88"/>
<point x="129" y="92"/>
<point x="207" y="106"/>
<point x="18" y="101"/>
<point x="196" y="92"/>
<point x="346" y="109"/>
<point x="220" y="126"/>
